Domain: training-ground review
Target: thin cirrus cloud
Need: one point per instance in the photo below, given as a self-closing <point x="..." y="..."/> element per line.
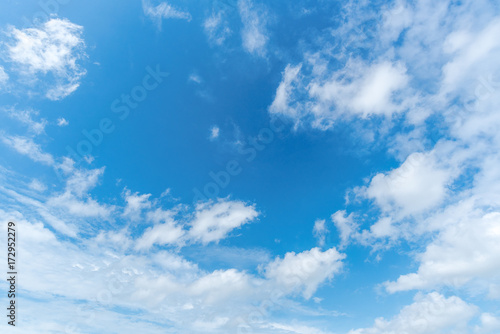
<point x="163" y="10"/>
<point x="4" y="77"/>
<point x="254" y="33"/>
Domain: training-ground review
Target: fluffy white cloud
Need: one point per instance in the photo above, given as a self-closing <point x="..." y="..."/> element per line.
<point x="417" y="185"/>
<point x="432" y="313"/>
<point x="214" y="221"/>
<point x="368" y="90"/>
<point x="54" y="48"/>
<point x="254" y="33"/>
<point x="304" y="272"/>
<point x="358" y="89"/>
<point x="489" y="324"/>
<point x="163" y="11"/>
<point x="166" y="231"/>
<point x="464" y="251"/>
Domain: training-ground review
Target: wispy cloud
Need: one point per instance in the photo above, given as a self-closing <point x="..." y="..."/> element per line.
<point x="26" y="146"/>
<point x="163" y="10"/>
<point x="217" y="28"/>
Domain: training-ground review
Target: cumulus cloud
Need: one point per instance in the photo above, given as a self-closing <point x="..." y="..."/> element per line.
<point x="464" y="251"/>
<point x="213" y="221"/>
<point x="357" y="90"/>
<point x="417" y="185"/>
<point x="432" y="313"/>
<point x="304" y="272"/>
<point x="216" y="28"/>
<point x="53" y="51"/>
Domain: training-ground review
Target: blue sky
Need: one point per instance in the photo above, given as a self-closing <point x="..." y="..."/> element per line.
<point x="308" y="167"/>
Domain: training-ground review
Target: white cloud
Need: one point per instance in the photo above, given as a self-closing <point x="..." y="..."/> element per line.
<point x="26" y="117"/>
<point x="214" y="132"/>
<point x="474" y="53"/>
<point x="55" y="48"/>
<point x="282" y="101"/>
<point x="366" y="90"/>
<point x="37" y="185"/>
<point x="193" y="77"/>
<point x="432" y="313"/>
<point x="489" y="324"/>
<point x="319" y="231"/>
<point x="466" y="250"/>
<point x="417" y="185"/>
<point x="62" y="122"/>
<point x="76" y="199"/>
<point x="345" y="225"/>
<point x="294" y="328"/>
<point x="166" y="231"/>
<point x="216" y="28"/>
<point x="254" y="33"/>
<point x="4" y="77"/>
<point x="358" y="89"/>
<point x="304" y="272"/>
<point x="213" y="221"/>
<point x="163" y="11"/>
<point x="26" y="146"/>
<point x="135" y="204"/>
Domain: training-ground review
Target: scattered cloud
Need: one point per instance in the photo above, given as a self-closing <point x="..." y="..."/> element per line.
<point x="193" y="77"/>
<point x="214" y="132"/>
<point x="305" y="271"/>
<point x="26" y="117"/>
<point x="163" y="10"/>
<point x="432" y="313"/>
<point x="37" y="185"/>
<point x="4" y="77"/>
<point x="50" y="52"/>
<point x="254" y="33"/>
<point x="320" y="231"/>
<point x="62" y="122"/>
<point x="26" y="146"/>
<point x="213" y="221"/>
